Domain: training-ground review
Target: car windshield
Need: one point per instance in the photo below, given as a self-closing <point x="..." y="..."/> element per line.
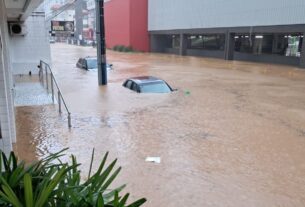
<point x="91" y="63"/>
<point x="160" y="87"/>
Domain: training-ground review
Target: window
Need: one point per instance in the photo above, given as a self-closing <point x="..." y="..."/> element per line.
<point x="134" y="87"/>
<point x="128" y="84"/>
<point x="91" y="63"/>
<point x="84" y="64"/>
<point x="294" y="45"/>
<point x="279" y="44"/>
<point x="155" y="88"/>
<point x="207" y="42"/>
<point x="196" y="42"/>
<point x="176" y="41"/>
<point x="80" y="61"/>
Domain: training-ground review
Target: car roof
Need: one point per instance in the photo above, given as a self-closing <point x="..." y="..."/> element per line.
<point x="146" y="79"/>
<point x="89" y="57"/>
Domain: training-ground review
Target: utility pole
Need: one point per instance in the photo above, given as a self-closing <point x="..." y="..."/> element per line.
<point x="79" y="6"/>
<point x="101" y="47"/>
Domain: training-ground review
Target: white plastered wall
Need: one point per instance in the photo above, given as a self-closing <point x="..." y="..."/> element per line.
<point x="7" y="117"/>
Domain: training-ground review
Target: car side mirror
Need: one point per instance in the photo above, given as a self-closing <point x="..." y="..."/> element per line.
<point x="38" y="66"/>
<point x="110" y="65"/>
<point x="175" y="89"/>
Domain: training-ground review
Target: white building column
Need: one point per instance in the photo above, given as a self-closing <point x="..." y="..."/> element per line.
<point x="302" y="58"/>
<point x="7" y="122"/>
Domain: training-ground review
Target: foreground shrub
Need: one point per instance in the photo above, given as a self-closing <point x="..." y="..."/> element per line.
<point x="122" y="48"/>
<point x="116" y="48"/>
<point x="50" y="182"/>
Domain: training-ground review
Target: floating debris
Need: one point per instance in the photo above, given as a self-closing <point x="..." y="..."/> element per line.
<point x="153" y="159"/>
<point x="187" y="93"/>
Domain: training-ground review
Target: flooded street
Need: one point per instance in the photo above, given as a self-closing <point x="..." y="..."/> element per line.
<point x="232" y="135"/>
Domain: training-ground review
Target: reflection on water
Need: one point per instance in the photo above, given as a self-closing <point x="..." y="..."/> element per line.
<point x="232" y="135"/>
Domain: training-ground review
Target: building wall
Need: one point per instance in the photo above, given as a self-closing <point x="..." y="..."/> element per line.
<point x="139" y="25"/>
<point x="26" y="51"/>
<point x="181" y="14"/>
<point x="126" y="23"/>
<point x="117" y="23"/>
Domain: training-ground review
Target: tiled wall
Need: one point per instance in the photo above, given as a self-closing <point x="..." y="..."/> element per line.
<point x="27" y="50"/>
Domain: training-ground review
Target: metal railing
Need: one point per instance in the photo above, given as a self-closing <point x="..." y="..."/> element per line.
<point x="47" y="79"/>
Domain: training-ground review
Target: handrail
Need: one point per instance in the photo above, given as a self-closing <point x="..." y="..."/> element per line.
<point x="43" y="66"/>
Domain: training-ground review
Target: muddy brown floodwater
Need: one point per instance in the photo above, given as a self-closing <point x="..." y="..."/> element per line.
<point x="232" y="135"/>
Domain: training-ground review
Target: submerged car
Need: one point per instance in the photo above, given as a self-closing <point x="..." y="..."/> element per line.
<point x="147" y="84"/>
<point x="89" y="63"/>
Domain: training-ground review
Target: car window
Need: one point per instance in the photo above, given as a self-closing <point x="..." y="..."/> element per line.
<point x="85" y="64"/>
<point x="91" y="63"/>
<point x="128" y="84"/>
<point x="160" y="87"/>
<point x="134" y="87"/>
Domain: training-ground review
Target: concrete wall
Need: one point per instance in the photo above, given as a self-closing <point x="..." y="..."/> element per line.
<point x="159" y="43"/>
<point x="267" y="58"/>
<point x="182" y="14"/>
<point x="206" y="53"/>
<point x="26" y="51"/>
<point x="174" y="51"/>
<point x="7" y="120"/>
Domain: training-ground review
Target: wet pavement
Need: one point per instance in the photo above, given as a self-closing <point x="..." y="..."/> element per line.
<point x="28" y="91"/>
<point x="232" y="135"/>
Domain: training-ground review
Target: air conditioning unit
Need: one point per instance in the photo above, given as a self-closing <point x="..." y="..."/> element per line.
<point x="17" y="29"/>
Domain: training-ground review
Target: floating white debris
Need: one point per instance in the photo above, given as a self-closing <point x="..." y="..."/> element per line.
<point x="153" y="159"/>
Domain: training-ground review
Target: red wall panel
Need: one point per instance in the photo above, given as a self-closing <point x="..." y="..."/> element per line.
<point x="117" y="23"/>
<point x="126" y="23"/>
<point x="139" y="25"/>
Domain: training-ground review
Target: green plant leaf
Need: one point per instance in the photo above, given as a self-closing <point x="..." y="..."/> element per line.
<point x="137" y="203"/>
<point x="28" y="190"/>
<point x="107" y="196"/>
<point x="98" y="172"/>
<point x="116" y="199"/>
<point x="6" y="163"/>
<point x="110" y="180"/>
<point x="11" y="196"/>
<point x="4" y="198"/>
<point x="14" y="177"/>
<point x="91" y="162"/>
<point x="97" y="180"/>
<point x="46" y="192"/>
<point x="13" y="160"/>
<point x="51" y="182"/>
<point x="100" y="201"/>
<point x="0" y="161"/>
<point x="124" y="200"/>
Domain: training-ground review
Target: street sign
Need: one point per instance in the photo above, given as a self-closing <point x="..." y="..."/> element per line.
<point x="62" y="26"/>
